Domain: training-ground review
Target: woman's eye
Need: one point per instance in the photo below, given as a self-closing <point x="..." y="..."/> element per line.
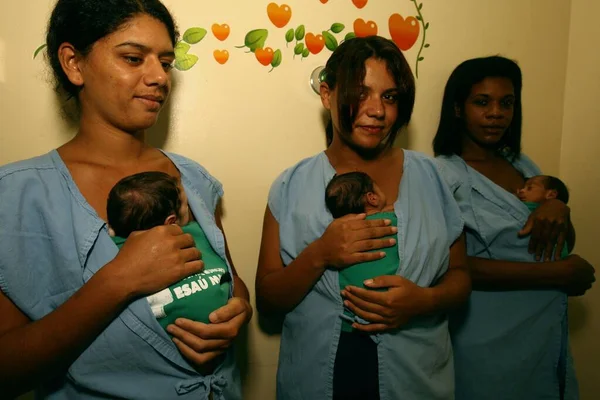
<point x="390" y="98"/>
<point x="133" y="59"/>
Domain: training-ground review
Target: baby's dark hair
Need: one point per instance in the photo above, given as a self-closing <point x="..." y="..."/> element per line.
<point x="142" y="201"/>
<point x="345" y="193"/>
<point x="553" y="183"/>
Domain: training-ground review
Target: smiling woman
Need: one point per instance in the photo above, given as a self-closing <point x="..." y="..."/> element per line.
<point x="82" y="327"/>
<point x="369" y="93"/>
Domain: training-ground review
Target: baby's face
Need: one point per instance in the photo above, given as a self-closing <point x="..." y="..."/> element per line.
<point x="184" y="210"/>
<point x="534" y="190"/>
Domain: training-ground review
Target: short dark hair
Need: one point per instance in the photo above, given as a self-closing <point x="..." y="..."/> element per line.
<point x="345" y="193"/>
<point x="448" y="139"/>
<point x="553" y="183"/>
<point x="142" y="201"/>
<point x="346" y="68"/>
<point x="83" y="22"/>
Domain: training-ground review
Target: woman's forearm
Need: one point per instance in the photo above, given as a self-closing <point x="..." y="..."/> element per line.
<point x="284" y="288"/>
<point x="35" y="352"/>
<point x="452" y="290"/>
<point x="511" y="275"/>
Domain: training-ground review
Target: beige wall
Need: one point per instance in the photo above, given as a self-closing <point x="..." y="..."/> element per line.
<point x="246" y="125"/>
<point x="580" y="168"/>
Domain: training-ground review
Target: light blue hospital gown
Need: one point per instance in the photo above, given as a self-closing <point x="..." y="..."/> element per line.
<point x="508" y="345"/>
<point x="52" y="241"/>
<point x="415" y="362"/>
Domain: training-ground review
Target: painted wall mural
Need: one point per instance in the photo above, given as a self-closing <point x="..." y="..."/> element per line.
<point x="405" y="30"/>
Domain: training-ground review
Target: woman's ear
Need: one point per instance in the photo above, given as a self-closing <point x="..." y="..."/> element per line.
<point x="325" y="93"/>
<point x="171" y="219"/>
<point x="69" y="59"/>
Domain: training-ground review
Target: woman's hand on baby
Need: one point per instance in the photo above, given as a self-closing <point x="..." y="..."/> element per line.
<point x="580" y="275"/>
<point x="151" y="260"/>
<point x="347" y="240"/>
<point x="200" y="343"/>
<point x="548" y="226"/>
<point x="389" y="309"/>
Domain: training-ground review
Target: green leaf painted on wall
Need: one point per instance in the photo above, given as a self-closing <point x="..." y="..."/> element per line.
<point x="350" y="35"/>
<point x="194" y="35"/>
<point x="299" y="32"/>
<point x="256" y="39"/>
<point x="37" y="51"/>
<point x="186" y="61"/>
<point x="305" y="53"/>
<point x="289" y="35"/>
<point x="299" y="48"/>
<point x="337" y="27"/>
<point x="181" y="48"/>
<point x="276" y="59"/>
<point x="330" y="41"/>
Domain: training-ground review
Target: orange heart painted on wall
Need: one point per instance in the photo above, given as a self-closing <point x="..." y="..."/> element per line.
<point x="221" y="56"/>
<point x="279" y="15"/>
<point x="221" y="32"/>
<point x="314" y="43"/>
<point x="364" y="28"/>
<point x="404" y="32"/>
<point x="360" y="3"/>
<point x="264" y="56"/>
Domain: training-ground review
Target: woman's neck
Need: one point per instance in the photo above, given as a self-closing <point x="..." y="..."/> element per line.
<point x="105" y="144"/>
<point x="343" y="156"/>
<point x="472" y="151"/>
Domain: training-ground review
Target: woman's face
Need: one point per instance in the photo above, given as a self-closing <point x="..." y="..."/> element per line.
<point x="377" y="112"/>
<point x="125" y="78"/>
<point x="488" y="111"/>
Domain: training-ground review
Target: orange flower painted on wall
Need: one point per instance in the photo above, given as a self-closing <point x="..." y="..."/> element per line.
<point x="304" y="40"/>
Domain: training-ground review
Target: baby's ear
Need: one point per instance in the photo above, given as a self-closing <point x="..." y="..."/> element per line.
<point x="372" y="199"/>
<point x="111" y="232"/>
<point x="171" y="219"/>
<point x="551" y="194"/>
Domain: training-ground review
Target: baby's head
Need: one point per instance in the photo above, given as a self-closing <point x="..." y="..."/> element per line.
<point x="540" y="188"/>
<point x="353" y="193"/>
<point x="145" y="200"/>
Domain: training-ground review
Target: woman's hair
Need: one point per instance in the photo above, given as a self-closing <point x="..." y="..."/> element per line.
<point x="345" y="70"/>
<point x="142" y="201"/>
<point x="345" y="193"/>
<point x="448" y="139"/>
<point x="83" y="22"/>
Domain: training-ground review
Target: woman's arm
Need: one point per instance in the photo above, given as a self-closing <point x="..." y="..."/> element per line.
<point x="345" y="242"/>
<point x="35" y="351"/>
<point x="572" y="274"/>
<point x="404" y="299"/>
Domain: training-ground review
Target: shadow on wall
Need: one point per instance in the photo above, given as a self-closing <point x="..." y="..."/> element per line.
<point x="578" y="314"/>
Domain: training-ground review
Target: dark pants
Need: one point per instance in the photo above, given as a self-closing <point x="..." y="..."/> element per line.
<point x="355" y="374"/>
